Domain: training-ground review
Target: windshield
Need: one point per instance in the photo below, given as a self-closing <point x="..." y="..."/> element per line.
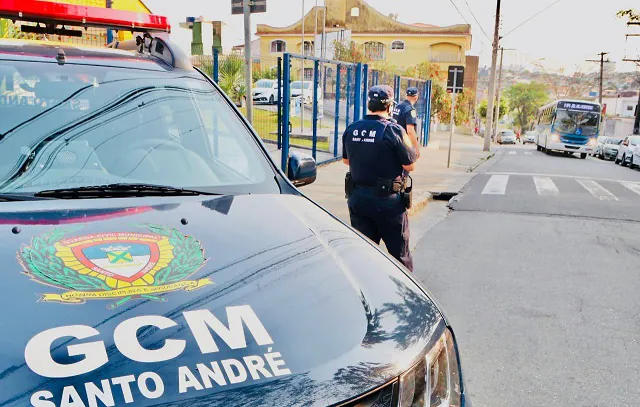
<point x="69" y="126"/>
<point x="298" y="85"/>
<point x="580" y="123"/>
<point x="613" y="141"/>
<point x="265" y="84"/>
<point x="508" y="133"/>
<point x="634" y="140"/>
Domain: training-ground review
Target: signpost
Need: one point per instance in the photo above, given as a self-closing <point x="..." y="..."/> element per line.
<point x="247" y="7"/>
<point x="255" y="6"/>
<point x="455" y="84"/>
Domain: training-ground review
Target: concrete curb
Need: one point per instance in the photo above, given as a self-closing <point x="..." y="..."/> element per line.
<point x="420" y="203"/>
<point x="479" y="163"/>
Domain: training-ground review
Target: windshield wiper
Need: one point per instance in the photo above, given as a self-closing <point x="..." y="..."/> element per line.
<point x="19" y="197"/>
<point x="119" y="191"/>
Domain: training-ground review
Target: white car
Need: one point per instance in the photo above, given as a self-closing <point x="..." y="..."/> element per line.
<point x="530" y="137"/>
<point x="506" y="137"/>
<point x="625" y="153"/>
<point x="635" y="158"/>
<point x="266" y="91"/>
<point x="306" y="93"/>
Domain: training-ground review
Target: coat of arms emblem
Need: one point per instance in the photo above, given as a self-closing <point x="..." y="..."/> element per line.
<point x="121" y="265"/>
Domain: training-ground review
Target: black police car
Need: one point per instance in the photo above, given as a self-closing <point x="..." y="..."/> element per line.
<point x="154" y="255"/>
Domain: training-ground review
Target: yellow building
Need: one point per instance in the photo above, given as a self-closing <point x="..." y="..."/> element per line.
<point x="386" y="41"/>
<point x="94" y="36"/>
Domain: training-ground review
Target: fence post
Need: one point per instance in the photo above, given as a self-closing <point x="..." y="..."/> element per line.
<point x="279" y="99"/>
<point x="337" y="112"/>
<point x="316" y="75"/>
<point x="365" y="91"/>
<point x="348" y="95"/>
<point x="396" y="88"/>
<point x="427" y="114"/>
<point x="216" y="65"/>
<point x="357" y="99"/>
<point x="286" y="113"/>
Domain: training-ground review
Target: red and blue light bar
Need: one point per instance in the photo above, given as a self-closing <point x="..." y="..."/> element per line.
<point x="47" y="12"/>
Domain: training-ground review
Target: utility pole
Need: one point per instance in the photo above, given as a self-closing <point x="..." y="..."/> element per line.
<point x="497" y="108"/>
<point x="636" y="124"/>
<point x="601" y="61"/>
<point x="247" y="58"/>
<point x="492" y="81"/>
<point x="302" y="75"/>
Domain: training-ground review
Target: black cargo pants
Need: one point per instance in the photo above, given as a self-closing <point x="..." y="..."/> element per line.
<point x="382" y="218"/>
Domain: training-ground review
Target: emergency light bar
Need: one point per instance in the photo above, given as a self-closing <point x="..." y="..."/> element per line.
<point x="52" y="14"/>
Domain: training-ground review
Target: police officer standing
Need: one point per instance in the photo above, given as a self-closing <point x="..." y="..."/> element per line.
<point x="378" y="152"/>
<point x="407" y="117"/>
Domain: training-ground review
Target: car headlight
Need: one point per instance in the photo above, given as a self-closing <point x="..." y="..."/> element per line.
<point x="555" y="137"/>
<point x="435" y="380"/>
<point x="592" y="142"/>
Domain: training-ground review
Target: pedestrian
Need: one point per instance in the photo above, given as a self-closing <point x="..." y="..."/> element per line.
<point x="407" y="117"/>
<point x="378" y="152"/>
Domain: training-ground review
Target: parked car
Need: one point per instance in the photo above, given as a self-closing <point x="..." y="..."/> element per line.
<point x="635" y="158"/>
<point x="625" y="153"/>
<point x="608" y="150"/>
<point x="307" y="93"/>
<point x="530" y="137"/>
<point x="266" y="91"/>
<point x="506" y="137"/>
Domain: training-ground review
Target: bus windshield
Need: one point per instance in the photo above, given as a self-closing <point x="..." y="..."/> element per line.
<point x="581" y="123"/>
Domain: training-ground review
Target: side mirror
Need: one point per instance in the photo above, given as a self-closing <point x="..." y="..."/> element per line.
<point x="302" y="169"/>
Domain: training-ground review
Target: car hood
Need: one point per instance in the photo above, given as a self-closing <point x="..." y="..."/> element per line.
<point x="227" y="283"/>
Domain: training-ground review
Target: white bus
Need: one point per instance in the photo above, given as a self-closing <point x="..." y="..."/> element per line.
<point x="570" y="126"/>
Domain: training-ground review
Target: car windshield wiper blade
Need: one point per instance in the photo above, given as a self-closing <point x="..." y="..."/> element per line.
<point x="8" y="197"/>
<point x="119" y="190"/>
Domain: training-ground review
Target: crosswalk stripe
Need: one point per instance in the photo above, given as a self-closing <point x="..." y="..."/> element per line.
<point x="497" y="185"/>
<point x="528" y="153"/>
<point x="597" y="190"/>
<point x="545" y="186"/>
<point x="632" y="186"/>
<point x="512" y="153"/>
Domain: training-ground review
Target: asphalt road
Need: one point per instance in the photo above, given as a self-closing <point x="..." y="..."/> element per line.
<point x="537" y="266"/>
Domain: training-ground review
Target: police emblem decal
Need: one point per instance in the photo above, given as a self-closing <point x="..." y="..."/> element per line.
<point x="414" y="114"/>
<point x="120" y="265"/>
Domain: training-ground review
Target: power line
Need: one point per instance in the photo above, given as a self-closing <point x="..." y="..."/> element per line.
<point x="464" y="18"/>
<point x="478" y="22"/>
<point x="533" y="16"/>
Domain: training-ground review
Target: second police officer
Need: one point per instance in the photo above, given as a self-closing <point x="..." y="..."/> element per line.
<point x="378" y="153"/>
<point x="407" y="117"/>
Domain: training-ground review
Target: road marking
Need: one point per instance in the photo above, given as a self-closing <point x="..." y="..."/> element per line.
<point x="577" y="177"/>
<point x="597" y="190"/>
<point x="512" y="153"/>
<point x="545" y="186"/>
<point x="528" y="153"/>
<point x="497" y="185"/>
<point x="634" y="187"/>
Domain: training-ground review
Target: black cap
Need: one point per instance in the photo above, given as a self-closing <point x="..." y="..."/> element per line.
<point x="412" y="91"/>
<point x="381" y="93"/>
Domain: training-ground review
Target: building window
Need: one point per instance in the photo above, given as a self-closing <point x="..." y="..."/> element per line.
<point x="397" y="46"/>
<point x="308" y="48"/>
<point x="374" y="50"/>
<point x="308" y="74"/>
<point x="445" y="52"/>
<point x="278" y="46"/>
<point x="630" y="108"/>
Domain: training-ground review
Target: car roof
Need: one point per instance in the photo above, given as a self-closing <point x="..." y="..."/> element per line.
<point x="47" y="51"/>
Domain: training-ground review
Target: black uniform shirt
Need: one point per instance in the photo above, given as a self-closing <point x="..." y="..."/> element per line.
<point x="405" y="114"/>
<point x="376" y="148"/>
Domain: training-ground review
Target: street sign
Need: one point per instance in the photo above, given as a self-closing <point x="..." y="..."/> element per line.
<point x="256" y="6"/>
<point x="456" y="79"/>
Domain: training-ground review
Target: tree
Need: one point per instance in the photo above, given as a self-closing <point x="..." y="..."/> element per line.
<point x="482" y="108"/>
<point x="349" y="51"/>
<point x="525" y="99"/>
<point x="232" y="77"/>
<point x="425" y="70"/>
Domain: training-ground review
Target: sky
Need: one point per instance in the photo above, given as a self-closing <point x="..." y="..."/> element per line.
<point x="562" y="37"/>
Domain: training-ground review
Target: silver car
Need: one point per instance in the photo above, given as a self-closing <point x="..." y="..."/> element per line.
<point x="530" y="137"/>
<point x="506" y="137"/>
<point x="607" y="149"/>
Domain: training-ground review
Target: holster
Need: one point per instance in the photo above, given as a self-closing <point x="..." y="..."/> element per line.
<point x="349" y="185"/>
<point x="407" y="193"/>
<point x="385" y="187"/>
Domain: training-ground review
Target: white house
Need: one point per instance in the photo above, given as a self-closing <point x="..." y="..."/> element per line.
<point x="621" y="105"/>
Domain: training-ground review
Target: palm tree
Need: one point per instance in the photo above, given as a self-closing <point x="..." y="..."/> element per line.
<point x="232" y="77"/>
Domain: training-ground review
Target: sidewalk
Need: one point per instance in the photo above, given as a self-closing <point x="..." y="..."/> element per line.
<point x="430" y="177"/>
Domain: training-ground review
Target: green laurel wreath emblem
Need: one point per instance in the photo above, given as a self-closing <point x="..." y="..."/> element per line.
<point x="41" y="263"/>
